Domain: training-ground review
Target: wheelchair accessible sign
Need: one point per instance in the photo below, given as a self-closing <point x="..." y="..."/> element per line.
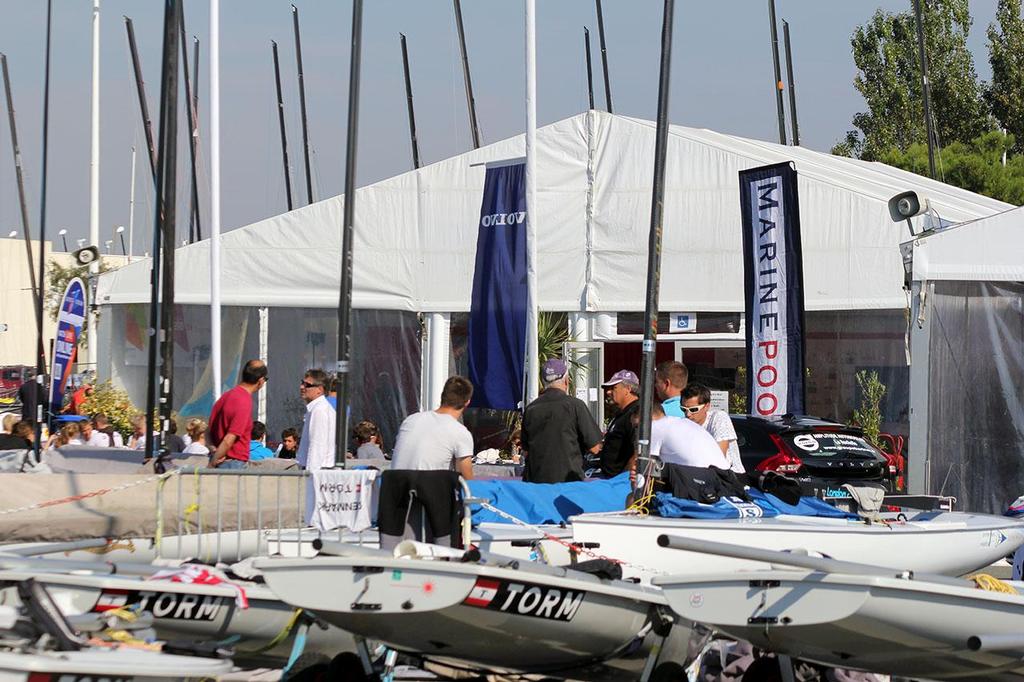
<point x="682" y="323"/>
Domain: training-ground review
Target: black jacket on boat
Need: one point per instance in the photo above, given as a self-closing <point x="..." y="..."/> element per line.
<point x="437" y="493"/>
<point x="702" y="484"/>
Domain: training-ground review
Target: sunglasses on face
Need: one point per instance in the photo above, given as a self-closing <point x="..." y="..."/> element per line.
<point x="306" y="384"/>
<point x="694" y="409"/>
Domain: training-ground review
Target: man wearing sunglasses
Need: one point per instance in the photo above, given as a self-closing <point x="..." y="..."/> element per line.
<point x="316" y="445"/>
<point x="697" y="407"/>
<point x="231" y="419"/>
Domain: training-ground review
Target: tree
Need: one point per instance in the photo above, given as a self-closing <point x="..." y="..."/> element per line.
<point x="976" y="166"/>
<point x="1005" y="94"/>
<point x="59" y="277"/>
<point x="886" y="54"/>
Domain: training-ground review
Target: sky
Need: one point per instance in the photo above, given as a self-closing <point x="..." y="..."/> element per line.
<point x="721" y="79"/>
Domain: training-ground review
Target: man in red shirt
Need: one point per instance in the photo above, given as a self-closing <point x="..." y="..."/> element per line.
<point x="231" y="419"/>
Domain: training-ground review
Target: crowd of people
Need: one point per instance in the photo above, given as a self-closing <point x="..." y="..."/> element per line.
<point x="558" y="440"/>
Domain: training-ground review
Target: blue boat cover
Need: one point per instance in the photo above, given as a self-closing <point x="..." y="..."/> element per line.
<point x="538" y="503"/>
<point x="763" y="505"/>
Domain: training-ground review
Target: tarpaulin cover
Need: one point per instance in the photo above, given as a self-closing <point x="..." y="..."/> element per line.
<point x="548" y="502"/>
<point x="766" y="505"/>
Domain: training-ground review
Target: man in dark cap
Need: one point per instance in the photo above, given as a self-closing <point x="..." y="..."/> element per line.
<point x="623" y="391"/>
<point x="557" y="430"/>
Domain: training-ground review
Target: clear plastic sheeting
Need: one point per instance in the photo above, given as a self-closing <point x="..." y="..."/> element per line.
<point x="975" y="408"/>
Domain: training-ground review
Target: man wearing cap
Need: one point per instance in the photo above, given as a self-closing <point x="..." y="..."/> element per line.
<point x="557" y="430"/>
<point x="623" y="391"/>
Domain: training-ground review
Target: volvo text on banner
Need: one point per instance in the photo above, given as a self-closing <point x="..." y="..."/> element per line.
<point x="773" y="289"/>
<point x="497" y="317"/>
<point x="65" y="347"/>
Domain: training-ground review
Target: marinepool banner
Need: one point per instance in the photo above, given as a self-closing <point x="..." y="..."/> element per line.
<point x="774" y="290"/>
<point x="65" y="346"/>
<point x="497" y="316"/>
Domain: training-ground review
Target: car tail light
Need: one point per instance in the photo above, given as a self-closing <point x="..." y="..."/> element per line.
<point x="783" y="462"/>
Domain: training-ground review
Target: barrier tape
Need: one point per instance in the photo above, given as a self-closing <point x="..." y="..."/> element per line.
<point x="572" y="547"/>
<point x="85" y="496"/>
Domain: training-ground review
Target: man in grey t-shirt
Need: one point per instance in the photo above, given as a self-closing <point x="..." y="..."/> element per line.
<point x="436" y="439"/>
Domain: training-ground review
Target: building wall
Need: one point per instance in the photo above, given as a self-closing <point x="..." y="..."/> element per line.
<point x="17" y="307"/>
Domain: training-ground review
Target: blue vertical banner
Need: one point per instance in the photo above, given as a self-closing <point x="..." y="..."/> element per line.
<point x="65" y="345"/>
<point x="773" y="290"/>
<point x="497" y="317"/>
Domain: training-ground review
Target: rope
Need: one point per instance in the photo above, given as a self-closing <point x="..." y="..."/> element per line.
<point x="280" y="637"/>
<point x="984" y="581"/>
<point x="84" y="496"/>
<point x="569" y="545"/>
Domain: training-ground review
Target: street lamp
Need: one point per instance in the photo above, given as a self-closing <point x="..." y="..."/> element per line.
<point x="120" y="233"/>
<point x="108" y="243"/>
<point x="64" y="238"/>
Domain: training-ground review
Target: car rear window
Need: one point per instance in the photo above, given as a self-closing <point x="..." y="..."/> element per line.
<point x="827" y="444"/>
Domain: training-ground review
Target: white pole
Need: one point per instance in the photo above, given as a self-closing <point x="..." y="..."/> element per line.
<point x="532" y="370"/>
<point x="215" y="197"/>
<point x="131" y="210"/>
<point x="94" y="180"/>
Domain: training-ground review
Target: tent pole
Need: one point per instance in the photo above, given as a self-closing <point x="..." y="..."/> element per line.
<point x="215" y="364"/>
<point x="604" y="57"/>
<point x="654" y="242"/>
<point x="280" y="119"/>
<point x="408" y="99"/>
<point x="792" y="84"/>
<point x="532" y="311"/>
<point x="348" y="233"/>
<point x="474" y="126"/>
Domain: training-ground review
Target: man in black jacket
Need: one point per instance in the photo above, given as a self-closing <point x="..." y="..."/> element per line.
<point x="623" y="390"/>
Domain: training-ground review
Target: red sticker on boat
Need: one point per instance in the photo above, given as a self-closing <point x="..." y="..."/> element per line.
<point x="482" y="593"/>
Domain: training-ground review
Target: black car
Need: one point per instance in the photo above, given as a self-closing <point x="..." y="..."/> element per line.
<point x="821" y="454"/>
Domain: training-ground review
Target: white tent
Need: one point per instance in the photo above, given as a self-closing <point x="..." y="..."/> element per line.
<point x="416" y="232"/>
<point x="967" y="345"/>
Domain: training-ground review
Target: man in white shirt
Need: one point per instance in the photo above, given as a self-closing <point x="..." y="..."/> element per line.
<point x="317" y="446"/>
<point x="103" y="435"/>
<point x="677" y="440"/>
<point x="697" y="408"/>
<point x="436" y="439"/>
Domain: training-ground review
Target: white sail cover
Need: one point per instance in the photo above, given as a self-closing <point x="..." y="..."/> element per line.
<point x="416" y="233"/>
<point x="986" y="250"/>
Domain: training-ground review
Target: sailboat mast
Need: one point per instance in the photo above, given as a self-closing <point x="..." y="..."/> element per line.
<point x="792" y="83"/>
<point x="778" y="73"/>
<point x="195" y="226"/>
<point x="140" y="87"/>
<point x="280" y="118"/>
<point x="590" y="68"/>
<point x="532" y="383"/>
<point x="195" y="115"/>
<point x="42" y="406"/>
<point x="654" y="244"/>
<point x="302" y="104"/>
<point x="408" y="99"/>
<point x="92" y="347"/>
<point x="604" y="57"/>
<point x="470" y="101"/>
<point x="215" y="360"/>
<point x="347" y="237"/>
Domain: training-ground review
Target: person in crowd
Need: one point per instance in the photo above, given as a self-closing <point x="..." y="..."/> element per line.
<point x="670" y="379"/>
<point x="332" y="390"/>
<point x="680" y="441"/>
<point x="369" y="444"/>
<point x="31" y="394"/>
<point x="289" y="445"/>
<point x="175" y="443"/>
<point x="258" y="443"/>
<point x="231" y="419"/>
<point x="25" y="430"/>
<point x="74" y="405"/>
<point x="557" y="430"/>
<point x="697" y="406"/>
<point x="196" y="429"/>
<point x="69" y="434"/>
<point x="316" y="447"/>
<point x="137" y="441"/>
<point x="102" y="427"/>
<point x="9" y="440"/>
<point x="617" y="450"/>
<point x="435" y="440"/>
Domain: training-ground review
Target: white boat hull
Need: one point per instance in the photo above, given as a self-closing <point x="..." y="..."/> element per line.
<point x="948" y="543"/>
<point x="878" y="624"/>
<point x="108" y="664"/>
<point x="482" y="617"/>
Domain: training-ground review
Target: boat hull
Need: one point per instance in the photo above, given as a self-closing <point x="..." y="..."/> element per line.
<point x="878" y="624"/>
<point x="108" y="664"/>
<point x="484" y="617"/>
<point x="948" y="543"/>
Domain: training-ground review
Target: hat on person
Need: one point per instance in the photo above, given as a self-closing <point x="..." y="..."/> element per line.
<point x="554" y="369"/>
<point x="622" y="376"/>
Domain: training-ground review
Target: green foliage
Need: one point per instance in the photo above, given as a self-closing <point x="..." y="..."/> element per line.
<point x="869" y="415"/>
<point x="114" y="403"/>
<point x="738" y="395"/>
<point x="886" y="54"/>
<point x="58" y="279"/>
<point x="976" y="166"/>
<point x="1005" y="94"/>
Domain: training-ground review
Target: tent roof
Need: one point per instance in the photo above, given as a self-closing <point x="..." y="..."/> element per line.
<point x="987" y="250"/>
<point x="415" y="234"/>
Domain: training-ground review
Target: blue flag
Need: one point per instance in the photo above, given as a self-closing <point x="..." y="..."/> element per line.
<point x="497" y="317"/>
<point x="65" y="346"/>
